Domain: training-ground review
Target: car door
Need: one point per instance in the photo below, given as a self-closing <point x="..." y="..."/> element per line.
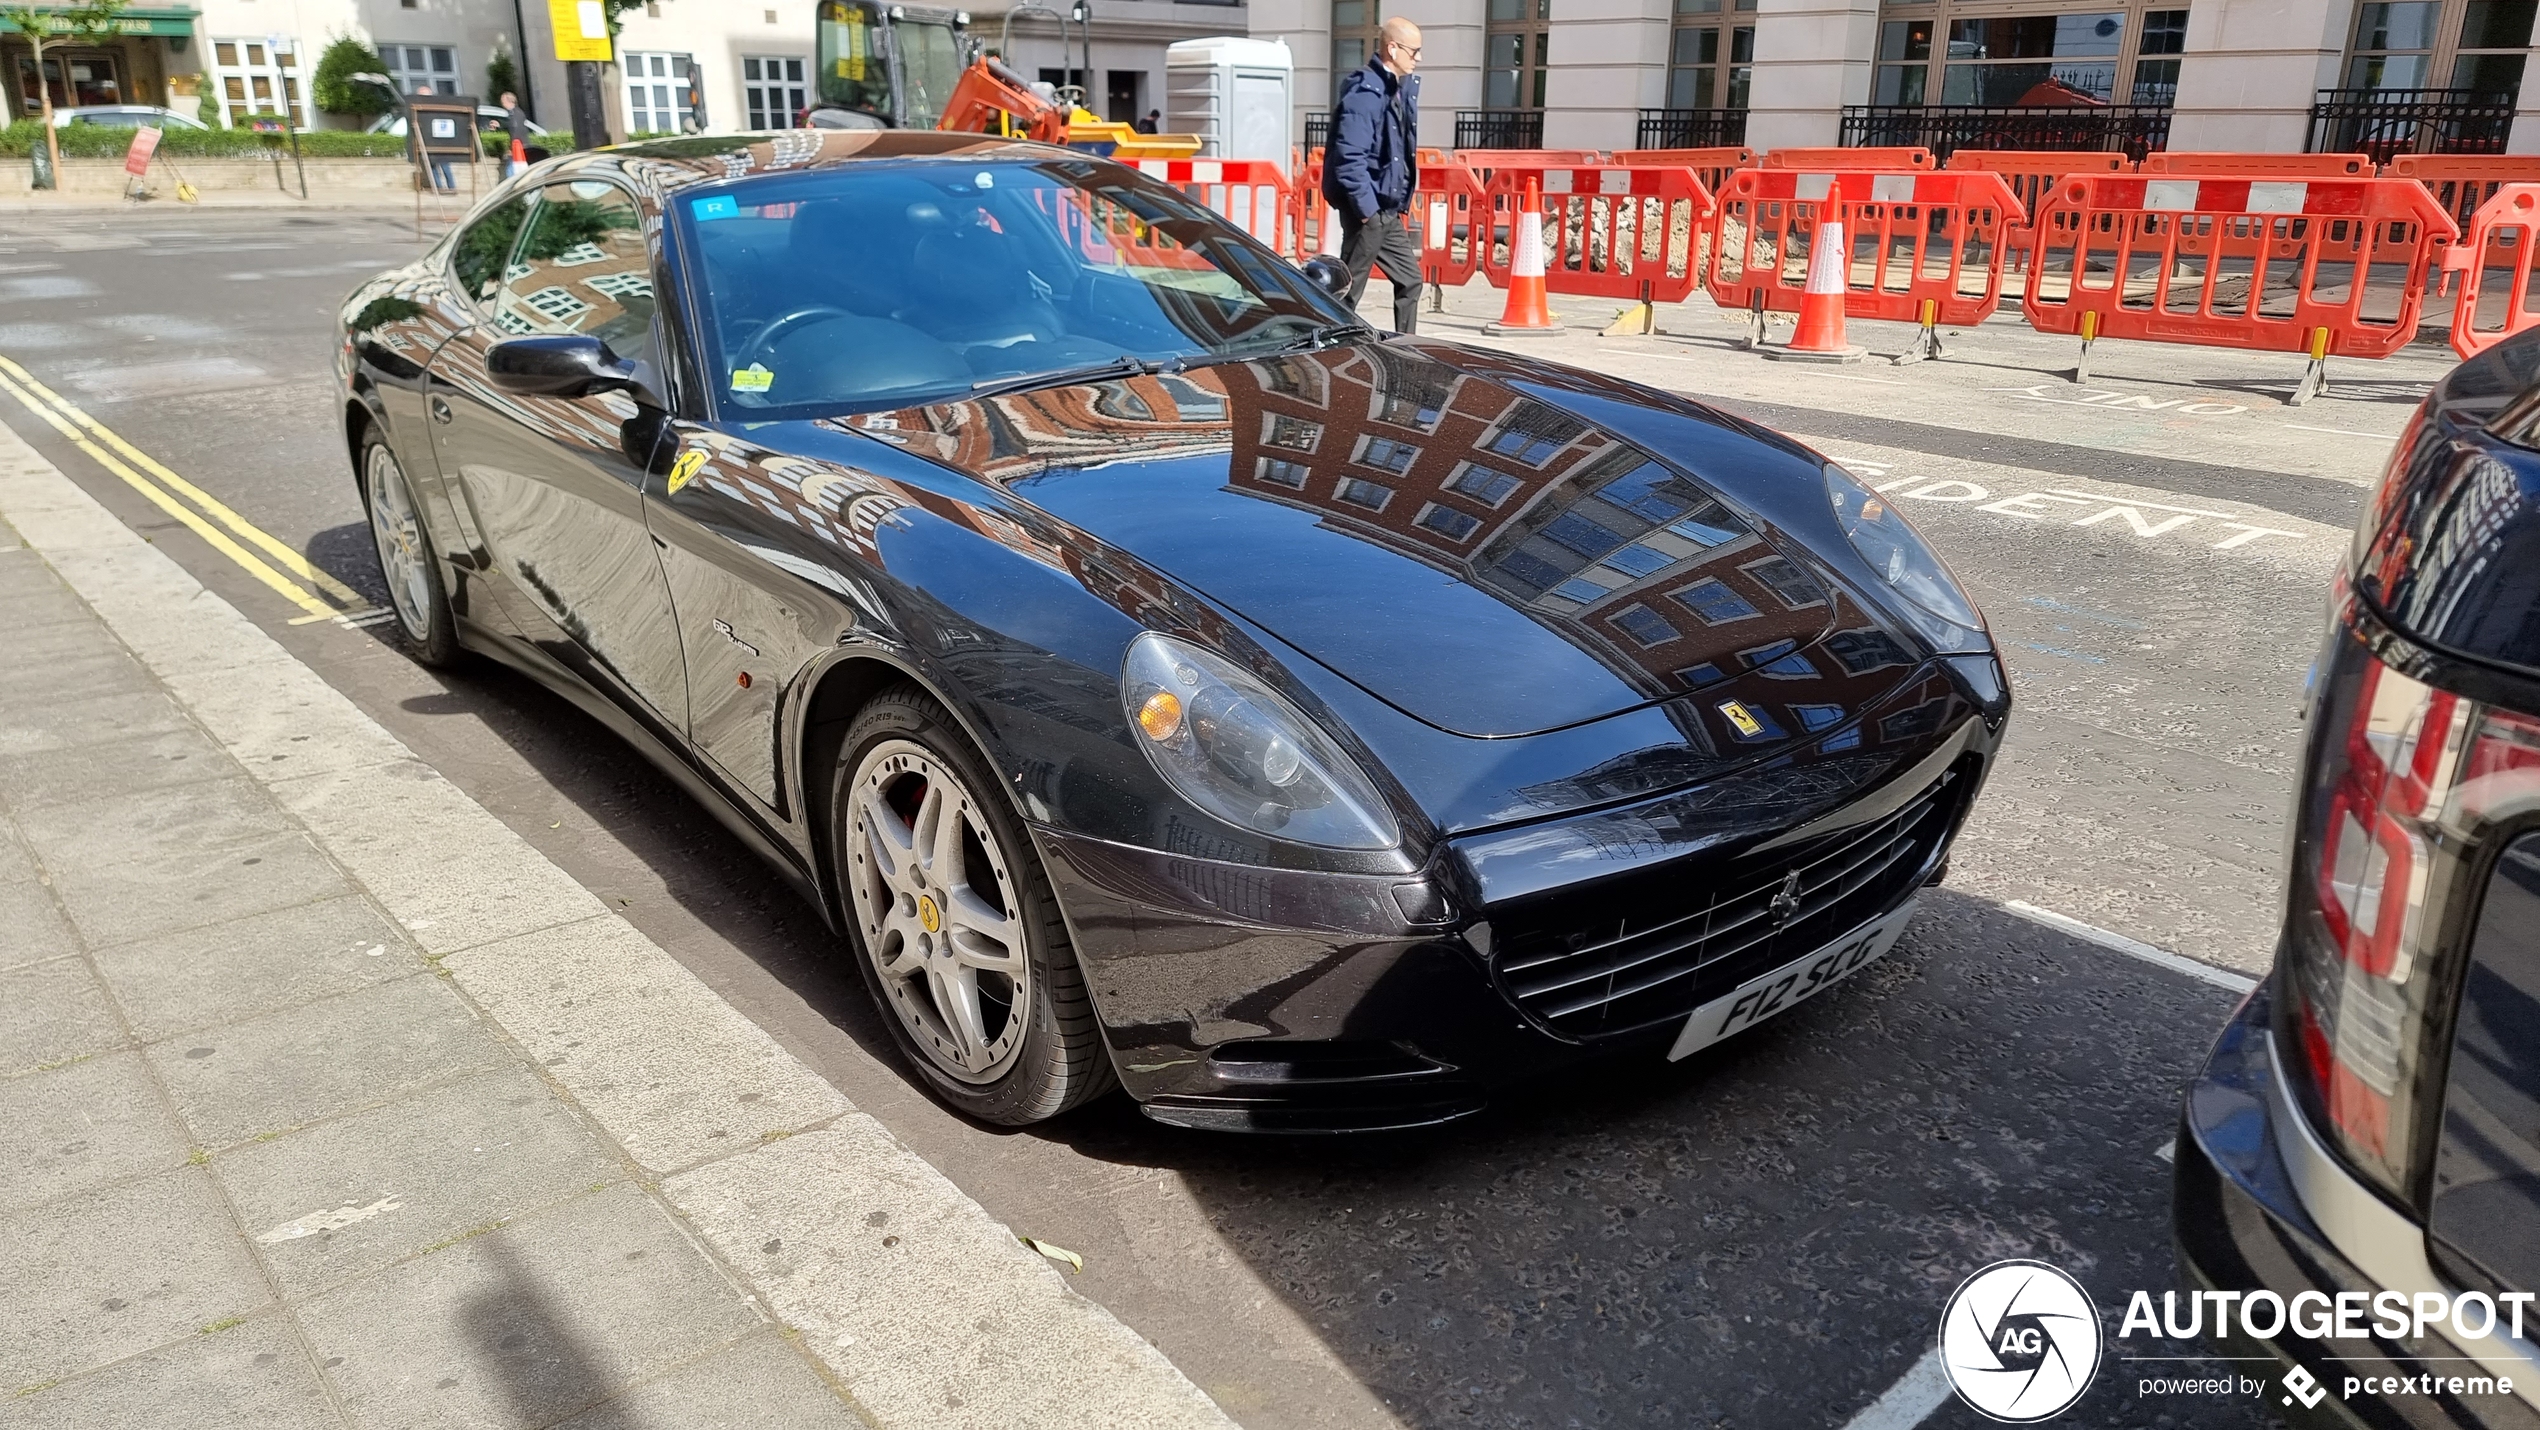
<point x="555" y="485"/>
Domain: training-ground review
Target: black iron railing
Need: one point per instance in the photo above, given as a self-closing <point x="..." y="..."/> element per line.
<point x="1499" y="129"/>
<point x="1692" y="128"/>
<point x="1318" y="131"/>
<point x="2384" y="122"/>
<point x="2135" y="129"/>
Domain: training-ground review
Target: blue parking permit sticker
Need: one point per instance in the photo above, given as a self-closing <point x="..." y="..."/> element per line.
<point x="720" y="206"/>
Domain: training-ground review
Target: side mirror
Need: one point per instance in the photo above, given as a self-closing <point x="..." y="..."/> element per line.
<point x="567" y="365"/>
<point x="1329" y="274"/>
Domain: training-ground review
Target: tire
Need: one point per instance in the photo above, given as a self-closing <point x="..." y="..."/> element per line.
<point x="425" y="625"/>
<point x="955" y="927"/>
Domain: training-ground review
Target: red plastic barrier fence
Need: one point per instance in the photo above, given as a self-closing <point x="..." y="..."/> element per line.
<point x="1444" y="213"/>
<point x="1711" y="166"/>
<point x="2322" y="266"/>
<point x="1923" y="247"/>
<point x="1251" y="194"/>
<point x="2031" y="174"/>
<point x="2296" y="166"/>
<point x="1855" y="160"/>
<point x="1613" y="231"/>
<point x="2494" y="261"/>
<point x="2463" y="183"/>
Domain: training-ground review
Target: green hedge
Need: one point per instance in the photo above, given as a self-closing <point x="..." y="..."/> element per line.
<point x="96" y="141"/>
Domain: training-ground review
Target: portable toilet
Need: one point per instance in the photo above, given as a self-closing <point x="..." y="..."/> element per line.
<point x="1233" y="92"/>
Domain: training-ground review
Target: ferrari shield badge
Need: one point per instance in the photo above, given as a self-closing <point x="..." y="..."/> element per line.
<point x="682" y="470"/>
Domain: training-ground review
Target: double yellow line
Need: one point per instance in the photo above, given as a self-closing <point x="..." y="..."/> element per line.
<point x="279" y="566"/>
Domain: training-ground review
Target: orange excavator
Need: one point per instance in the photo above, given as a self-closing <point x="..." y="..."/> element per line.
<point x="990" y="98"/>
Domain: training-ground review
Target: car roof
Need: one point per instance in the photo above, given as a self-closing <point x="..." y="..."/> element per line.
<point x="662" y="166"/>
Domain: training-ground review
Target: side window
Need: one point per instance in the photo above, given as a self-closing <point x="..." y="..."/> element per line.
<point x="582" y="268"/>
<point x="478" y="258"/>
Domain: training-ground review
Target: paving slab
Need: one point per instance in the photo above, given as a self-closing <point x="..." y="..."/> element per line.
<point x="225" y="972"/>
<point x="252" y="1376"/>
<point x="78" y="1128"/>
<point x="85" y="719"/>
<point x="32" y="928"/>
<point x="165" y="758"/>
<point x="53" y="1012"/>
<point x="761" y="1382"/>
<point x="92" y="1279"/>
<point x="357" y="1193"/>
<point x="337" y="1055"/>
<point x="528" y="1323"/>
<point x="143" y="864"/>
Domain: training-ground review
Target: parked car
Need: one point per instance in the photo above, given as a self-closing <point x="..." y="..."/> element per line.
<point x="2369" y="1122"/>
<point x="125" y="116"/>
<point x="1157" y="677"/>
<point x="489" y="120"/>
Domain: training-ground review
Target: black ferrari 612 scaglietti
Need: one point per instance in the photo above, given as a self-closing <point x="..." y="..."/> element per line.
<point x="1159" y="677"/>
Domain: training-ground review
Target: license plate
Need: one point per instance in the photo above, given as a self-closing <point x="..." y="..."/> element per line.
<point x="1790" y="985"/>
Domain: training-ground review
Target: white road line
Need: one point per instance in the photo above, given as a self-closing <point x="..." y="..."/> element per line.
<point x="2175" y="963"/>
<point x="1635" y="352"/>
<point x="1847" y="377"/>
<point x="1910" y="1401"/>
<point x="2339" y="431"/>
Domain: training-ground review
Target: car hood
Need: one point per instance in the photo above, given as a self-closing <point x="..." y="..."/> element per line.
<point x="1437" y="529"/>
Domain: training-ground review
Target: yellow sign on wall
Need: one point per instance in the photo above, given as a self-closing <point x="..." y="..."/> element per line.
<point x="582" y="30"/>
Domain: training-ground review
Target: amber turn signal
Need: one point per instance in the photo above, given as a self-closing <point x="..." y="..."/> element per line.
<point x="1161" y="716"/>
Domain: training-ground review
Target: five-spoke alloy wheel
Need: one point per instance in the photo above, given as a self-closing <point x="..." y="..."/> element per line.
<point x="960" y="937"/>
<point x="405" y="556"/>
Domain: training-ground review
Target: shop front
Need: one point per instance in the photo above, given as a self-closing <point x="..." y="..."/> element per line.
<point x="149" y="59"/>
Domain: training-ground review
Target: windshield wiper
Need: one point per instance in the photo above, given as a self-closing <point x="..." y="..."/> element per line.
<point x="1321" y="337"/>
<point x="1121" y="366"/>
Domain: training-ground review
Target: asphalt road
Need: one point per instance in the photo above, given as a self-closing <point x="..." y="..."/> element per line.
<point x="1761" y="1236"/>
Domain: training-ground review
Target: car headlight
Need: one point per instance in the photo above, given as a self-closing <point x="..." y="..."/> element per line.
<point x="1934" y="601"/>
<point x="1233" y="747"/>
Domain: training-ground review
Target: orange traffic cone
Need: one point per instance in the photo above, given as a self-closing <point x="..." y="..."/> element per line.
<point x="1820" y="334"/>
<point x="1526" y="311"/>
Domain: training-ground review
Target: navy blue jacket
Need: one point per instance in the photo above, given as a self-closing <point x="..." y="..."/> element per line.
<point x="1373" y="161"/>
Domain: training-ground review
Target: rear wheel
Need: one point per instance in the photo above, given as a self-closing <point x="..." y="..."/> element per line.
<point x="959" y="935"/>
<point x="405" y="557"/>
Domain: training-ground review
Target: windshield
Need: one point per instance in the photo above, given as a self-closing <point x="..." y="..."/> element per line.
<point x="885" y="285"/>
<point x="853" y="72"/>
<point x="930" y="64"/>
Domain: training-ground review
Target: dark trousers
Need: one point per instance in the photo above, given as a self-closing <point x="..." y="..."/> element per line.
<point x="1384" y="239"/>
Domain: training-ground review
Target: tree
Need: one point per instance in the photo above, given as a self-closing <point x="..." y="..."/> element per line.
<point x="501" y="75"/>
<point x="48" y="25"/>
<point x="332" y="87"/>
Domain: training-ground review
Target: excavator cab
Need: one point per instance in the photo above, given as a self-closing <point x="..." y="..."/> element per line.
<point x="886" y="66"/>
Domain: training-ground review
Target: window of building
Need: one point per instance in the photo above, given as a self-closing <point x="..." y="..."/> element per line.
<point x="1515" y="45"/>
<point x="1817" y="717"/>
<point x="1353" y="38"/>
<point x="1713" y="602"/>
<point x="1579" y="534"/>
<point x="1278" y="429"/>
<point x="251" y="78"/>
<point x="1697" y="676"/>
<point x="422" y="69"/>
<point x="1446" y="521"/>
<point x="1282" y="474"/>
<point x="2475" y="45"/>
<point x="657" y="93"/>
<point x="1386" y="454"/>
<point x="1417" y="408"/>
<point x="1371" y="495"/>
<point x="1709" y="65"/>
<point x="1709" y="525"/>
<point x="1531" y="448"/>
<point x="1866" y="649"/>
<point x="1787" y="582"/>
<point x="1967" y="52"/>
<point x="76" y="77"/>
<point x="772" y="90"/>
<point x="1531" y="570"/>
<point x="1296" y="379"/>
<point x="1487" y="485"/>
<point x="1637" y="561"/>
<point x="1644" y="625"/>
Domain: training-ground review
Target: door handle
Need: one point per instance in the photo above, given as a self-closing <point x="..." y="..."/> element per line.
<point x="440" y="410"/>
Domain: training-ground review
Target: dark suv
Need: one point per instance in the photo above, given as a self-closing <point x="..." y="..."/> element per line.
<point x="2369" y="1122"/>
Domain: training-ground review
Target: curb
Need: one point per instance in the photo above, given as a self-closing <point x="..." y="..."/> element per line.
<point x="880" y="1254"/>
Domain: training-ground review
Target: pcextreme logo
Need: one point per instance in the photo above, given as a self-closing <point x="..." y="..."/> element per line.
<point x="2019" y="1341"/>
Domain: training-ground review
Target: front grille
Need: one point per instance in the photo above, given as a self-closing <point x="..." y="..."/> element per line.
<point x="1693" y="930"/>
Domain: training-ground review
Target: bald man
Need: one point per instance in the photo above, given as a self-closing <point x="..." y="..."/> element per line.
<point x="1372" y="166"/>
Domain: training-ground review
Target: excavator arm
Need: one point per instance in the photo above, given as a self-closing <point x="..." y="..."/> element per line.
<point x="989" y="91"/>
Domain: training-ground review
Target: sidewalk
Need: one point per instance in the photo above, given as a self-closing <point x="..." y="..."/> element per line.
<point x="325" y="1100"/>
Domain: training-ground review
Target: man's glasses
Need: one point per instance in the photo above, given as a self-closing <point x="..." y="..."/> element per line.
<point x="1411" y="50"/>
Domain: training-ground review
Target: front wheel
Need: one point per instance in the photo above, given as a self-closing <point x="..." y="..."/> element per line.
<point x="958" y="931"/>
<point x="405" y="557"/>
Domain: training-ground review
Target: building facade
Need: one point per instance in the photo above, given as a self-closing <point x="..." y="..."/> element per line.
<point x="2381" y="76"/>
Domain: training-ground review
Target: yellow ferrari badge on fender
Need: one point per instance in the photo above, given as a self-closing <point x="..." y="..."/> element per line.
<point x="684" y="469"/>
<point x="1743" y="718"/>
